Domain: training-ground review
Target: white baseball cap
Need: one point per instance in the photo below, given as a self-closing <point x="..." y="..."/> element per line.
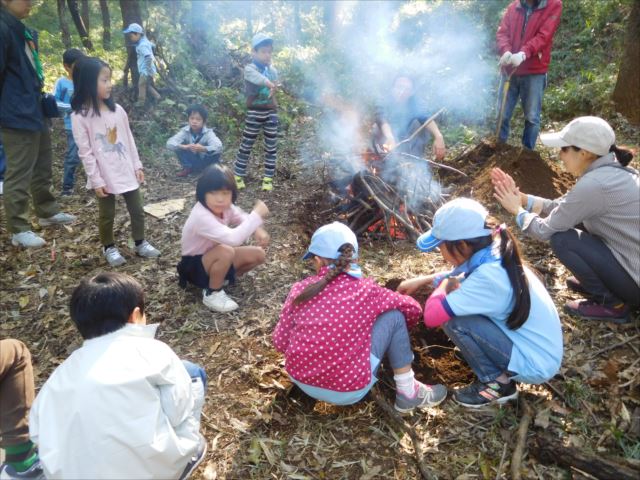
<point x="261" y="38"/>
<point x="133" y="28"/>
<point x="326" y="241"/>
<point x="459" y="219"/>
<point x="592" y="134"/>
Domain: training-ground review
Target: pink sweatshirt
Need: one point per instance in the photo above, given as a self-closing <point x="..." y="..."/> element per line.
<point x="203" y="230"/>
<point x="326" y="340"/>
<point x="107" y="150"/>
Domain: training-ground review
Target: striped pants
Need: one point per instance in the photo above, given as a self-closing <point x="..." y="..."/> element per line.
<point x="267" y="120"/>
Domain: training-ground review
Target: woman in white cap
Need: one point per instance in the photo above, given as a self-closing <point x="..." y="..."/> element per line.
<point x="336" y="326"/>
<point x="496" y="311"/>
<point x="594" y="229"/>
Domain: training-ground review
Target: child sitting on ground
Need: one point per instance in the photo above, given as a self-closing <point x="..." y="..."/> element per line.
<point x="260" y="80"/>
<point x="63" y="91"/>
<point x="499" y="314"/>
<point x="196" y="146"/>
<point x="336" y="327"/>
<point x="213" y="236"/>
<point x="123" y="405"/>
<point x="109" y="155"/>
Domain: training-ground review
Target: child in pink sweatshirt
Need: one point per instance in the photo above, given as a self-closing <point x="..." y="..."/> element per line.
<point x="109" y="155"/>
<point x="213" y="237"/>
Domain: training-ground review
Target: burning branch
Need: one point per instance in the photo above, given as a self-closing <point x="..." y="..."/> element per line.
<point x="418" y="130"/>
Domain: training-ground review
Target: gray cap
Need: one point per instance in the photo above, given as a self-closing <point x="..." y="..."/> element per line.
<point x="259" y="38"/>
<point x="133" y="28"/>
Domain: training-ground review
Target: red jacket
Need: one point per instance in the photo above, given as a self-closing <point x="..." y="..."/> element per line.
<point x="534" y="39"/>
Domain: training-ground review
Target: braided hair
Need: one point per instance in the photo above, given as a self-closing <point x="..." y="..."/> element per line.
<point x="340" y="265"/>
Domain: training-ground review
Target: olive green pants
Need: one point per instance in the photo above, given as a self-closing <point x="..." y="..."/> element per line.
<point x="107" y="215"/>
<point x="28" y="174"/>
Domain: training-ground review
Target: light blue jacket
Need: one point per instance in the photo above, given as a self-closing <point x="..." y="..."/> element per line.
<point x="146" y="60"/>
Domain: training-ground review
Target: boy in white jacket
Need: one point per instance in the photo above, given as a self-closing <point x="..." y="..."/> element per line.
<point x="123" y="405"/>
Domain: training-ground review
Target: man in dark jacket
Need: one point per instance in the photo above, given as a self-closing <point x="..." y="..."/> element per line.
<point x="24" y="130"/>
<point x="524" y="40"/>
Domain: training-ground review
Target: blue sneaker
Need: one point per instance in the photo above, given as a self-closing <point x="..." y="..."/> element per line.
<point x="7" y="472"/>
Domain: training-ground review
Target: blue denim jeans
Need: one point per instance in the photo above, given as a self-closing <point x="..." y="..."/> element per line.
<point x="484" y="346"/>
<point x="529" y="89"/>
<point x="390" y="337"/>
<point x="195" y="371"/>
<point x="71" y="162"/>
<point x="3" y="162"/>
<point x="197" y="161"/>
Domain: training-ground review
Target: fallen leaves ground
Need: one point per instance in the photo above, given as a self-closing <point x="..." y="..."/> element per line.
<point x="257" y="426"/>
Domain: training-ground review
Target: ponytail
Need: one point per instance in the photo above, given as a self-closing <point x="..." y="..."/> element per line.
<point x="623" y="155"/>
<point x="340" y="265"/>
<point x="512" y="263"/>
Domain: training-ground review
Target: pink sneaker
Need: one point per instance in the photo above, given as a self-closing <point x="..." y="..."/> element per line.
<point x="591" y="310"/>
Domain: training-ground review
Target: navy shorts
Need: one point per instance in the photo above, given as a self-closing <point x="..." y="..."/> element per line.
<point x="190" y="269"/>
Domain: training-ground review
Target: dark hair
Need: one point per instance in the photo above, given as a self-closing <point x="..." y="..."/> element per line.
<point x="85" y="86"/>
<point x="623" y="155"/>
<point x="103" y="304"/>
<point x="342" y="263"/>
<point x="216" y="177"/>
<point x="71" y="56"/>
<point x="511" y="262"/>
<point x="197" y="108"/>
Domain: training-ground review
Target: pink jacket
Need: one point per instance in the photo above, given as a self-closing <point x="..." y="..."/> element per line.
<point x="203" y="230"/>
<point x="326" y="340"/>
<point x="107" y="150"/>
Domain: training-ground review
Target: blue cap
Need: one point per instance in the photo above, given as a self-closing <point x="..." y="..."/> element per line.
<point x="459" y="219"/>
<point x="133" y="28"/>
<point x="326" y="241"/>
<point x="259" y="38"/>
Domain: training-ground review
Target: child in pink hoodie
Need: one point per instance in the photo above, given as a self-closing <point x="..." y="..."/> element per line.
<point x="109" y="155"/>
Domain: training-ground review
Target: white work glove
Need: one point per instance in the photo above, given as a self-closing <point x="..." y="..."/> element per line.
<point x="505" y="59"/>
<point x="517" y="59"/>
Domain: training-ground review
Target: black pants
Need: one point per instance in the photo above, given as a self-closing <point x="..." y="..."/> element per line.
<point x="593" y="264"/>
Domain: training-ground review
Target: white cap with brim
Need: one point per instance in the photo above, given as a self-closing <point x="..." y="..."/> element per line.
<point x="459" y="219"/>
<point x="133" y="28"/>
<point x="326" y="241"/>
<point x="260" y="38"/>
<point x="592" y="134"/>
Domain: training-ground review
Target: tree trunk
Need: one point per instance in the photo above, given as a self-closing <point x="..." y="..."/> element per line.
<point x="249" y="19"/>
<point x="84" y="14"/>
<point x="626" y="93"/>
<point x="64" y="26"/>
<point x="329" y="17"/>
<point x="297" y="24"/>
<point x="131" y="14"/>
<point x="106" y="25"/>
<point x="77" y="20"/>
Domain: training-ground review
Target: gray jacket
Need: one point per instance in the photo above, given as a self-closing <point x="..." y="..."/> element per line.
<point x="206" y="138"/>
<point x="606" y="200"/>
<point x="255" y="87"/>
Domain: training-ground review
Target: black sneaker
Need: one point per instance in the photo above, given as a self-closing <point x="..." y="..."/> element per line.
<point x="479" y="394"/>
<point x="196" y="460"/>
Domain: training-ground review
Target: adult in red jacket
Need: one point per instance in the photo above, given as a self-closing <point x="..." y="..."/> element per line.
<point x="524" y="41"/>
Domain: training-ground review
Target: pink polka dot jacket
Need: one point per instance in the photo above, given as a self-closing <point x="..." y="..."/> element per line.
<point x="326" y="340"/>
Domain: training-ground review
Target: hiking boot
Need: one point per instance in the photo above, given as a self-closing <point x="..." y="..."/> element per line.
<point x="146" y="250"/>
<point x="426" y="396"/>
<point x="185" y="172"/>
<point x="574" y="285"/>
<point x="592" y="310"/>
<point x="240" y="182"/>
<point x="58" y="219"/>
<point x="196" y="460"/>
<point x="27" y="239"/>
<point x="218" y="301"/>
<point x="479" y="394"/>
<point x="267" y="184"/>
<point x="112" y="254"/>
<point x="34" y="472"/>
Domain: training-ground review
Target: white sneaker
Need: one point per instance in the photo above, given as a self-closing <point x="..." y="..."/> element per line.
<point x="145" y="249"/>
<point x="1" y="187"/>
<point x="58" y="219"/>
<point x="112" y="254"/>
<point x="219" y="301"/>
<point x="27" y="239"/>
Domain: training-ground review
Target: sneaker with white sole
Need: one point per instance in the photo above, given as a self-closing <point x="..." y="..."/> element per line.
<point x="196" y="460"/>
<point x="112" y="254"/>
<point x="27" y="239"/>
<point x="1" y="187"/>
<point x="146" y="250"/>
<point x="58" y="219"/>
<point x="426" y="396"/>
<point x="219" y="301"/>
<point x="479" y="394"/>
<point x="7" y="472"/>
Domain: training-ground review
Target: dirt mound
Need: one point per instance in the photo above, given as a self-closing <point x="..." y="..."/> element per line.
<point x="531" y="172"/>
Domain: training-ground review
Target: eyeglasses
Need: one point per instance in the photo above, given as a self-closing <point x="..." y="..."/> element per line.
<point x="566" y="149"/>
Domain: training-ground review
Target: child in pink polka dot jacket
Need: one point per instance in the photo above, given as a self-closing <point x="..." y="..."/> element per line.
<point x="336" y="326"/>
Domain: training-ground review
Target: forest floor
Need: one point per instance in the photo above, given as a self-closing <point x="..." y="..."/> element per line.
<point x="256" y="424"/>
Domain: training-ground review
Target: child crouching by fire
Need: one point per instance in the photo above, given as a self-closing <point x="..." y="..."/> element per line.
<point x="337" y="326"/>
